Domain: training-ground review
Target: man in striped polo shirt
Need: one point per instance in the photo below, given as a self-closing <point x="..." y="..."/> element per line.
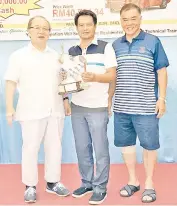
<point x="90" y="108"/>
<point x="141" y="72"/>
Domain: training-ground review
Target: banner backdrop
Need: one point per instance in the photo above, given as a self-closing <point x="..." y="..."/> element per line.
<point x="159" y="17"/>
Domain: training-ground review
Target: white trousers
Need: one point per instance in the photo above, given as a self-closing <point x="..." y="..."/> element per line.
<point x="49" y="130"/>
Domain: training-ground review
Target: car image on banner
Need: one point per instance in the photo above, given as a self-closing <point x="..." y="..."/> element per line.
<point x="116" y="5"/>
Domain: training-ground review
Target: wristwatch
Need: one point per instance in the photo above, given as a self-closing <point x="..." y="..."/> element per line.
<point x="65" y="98"/>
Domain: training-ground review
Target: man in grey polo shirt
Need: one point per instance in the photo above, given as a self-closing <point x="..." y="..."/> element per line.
<point x="141" y="72"/>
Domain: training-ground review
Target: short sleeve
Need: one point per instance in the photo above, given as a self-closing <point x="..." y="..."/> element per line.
<point x="13" y="69"/>
<point x="110" y="57"/>
<point x="160" y="57"/>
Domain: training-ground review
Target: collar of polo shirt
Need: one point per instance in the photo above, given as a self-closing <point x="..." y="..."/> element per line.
<point x="140" y="36"/>
<point x="31" y="47"/>
<point x="94" y="41"/>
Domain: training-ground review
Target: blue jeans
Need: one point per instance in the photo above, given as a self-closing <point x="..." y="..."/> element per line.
<point x="128" y="126"/>
<point x="90" y="127"/>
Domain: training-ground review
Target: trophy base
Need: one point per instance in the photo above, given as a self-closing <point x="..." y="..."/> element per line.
<point x="70" y="92"/>
<point x="69" y="88"/>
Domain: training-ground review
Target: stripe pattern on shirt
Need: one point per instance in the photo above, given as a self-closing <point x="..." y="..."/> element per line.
<point x="136" y="79"/>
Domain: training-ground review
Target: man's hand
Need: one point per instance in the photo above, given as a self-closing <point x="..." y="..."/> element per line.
<point x="110" y="108"/>
<point x="63" y="75"/>
<point x="88" y="76"/>
<point x="67" y="107"/>
<point x="10" y="116"/>
<point x="160" y="108"/>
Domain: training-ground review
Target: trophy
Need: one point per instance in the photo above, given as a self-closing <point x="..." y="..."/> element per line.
<point x="72" y="67"/>
<point x="84" y="85"/>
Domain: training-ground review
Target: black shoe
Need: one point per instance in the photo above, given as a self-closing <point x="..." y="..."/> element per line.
<point x="82" y="191"/>
<point x="97" y="198"/>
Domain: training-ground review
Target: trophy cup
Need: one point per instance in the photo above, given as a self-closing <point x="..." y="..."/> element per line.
<point x="72" y="67"/>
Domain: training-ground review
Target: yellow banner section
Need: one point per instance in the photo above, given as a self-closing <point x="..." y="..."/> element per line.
<point x="103" y="23"/>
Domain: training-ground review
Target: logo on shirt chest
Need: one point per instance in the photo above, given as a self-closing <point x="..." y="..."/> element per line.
<point x="142" y="50"/>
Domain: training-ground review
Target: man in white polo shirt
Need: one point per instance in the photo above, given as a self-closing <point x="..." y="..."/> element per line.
<point x="90" y="108"/>
<point x="34" y="69"/>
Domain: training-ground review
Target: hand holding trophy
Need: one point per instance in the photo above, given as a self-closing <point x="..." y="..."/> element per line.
<point x="71" y="70"/>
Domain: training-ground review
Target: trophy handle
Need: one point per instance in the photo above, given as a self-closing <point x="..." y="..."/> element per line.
<point x="61" y="58"/>
<point x="84" y="61"/>
<point x="85" y="67"/>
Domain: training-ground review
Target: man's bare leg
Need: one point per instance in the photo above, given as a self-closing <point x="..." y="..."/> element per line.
<point x="129" y="156"/>
<point x="150" y="159"/>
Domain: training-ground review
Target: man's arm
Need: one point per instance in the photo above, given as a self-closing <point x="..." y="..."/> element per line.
<point x="107" y="77"/>
<point x="160" y="64"/>
<point x="66" y="104"/>
<point x="10" y="88"/>
<point x="162" y="83"/>
<point x="11" y="79"/>
<point x="111" y="91"/>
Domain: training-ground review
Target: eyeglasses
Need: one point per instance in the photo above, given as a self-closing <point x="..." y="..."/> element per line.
<point x="40" y="28"/>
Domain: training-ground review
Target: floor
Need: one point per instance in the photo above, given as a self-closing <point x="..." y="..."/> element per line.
<point x="11" y="188"/>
